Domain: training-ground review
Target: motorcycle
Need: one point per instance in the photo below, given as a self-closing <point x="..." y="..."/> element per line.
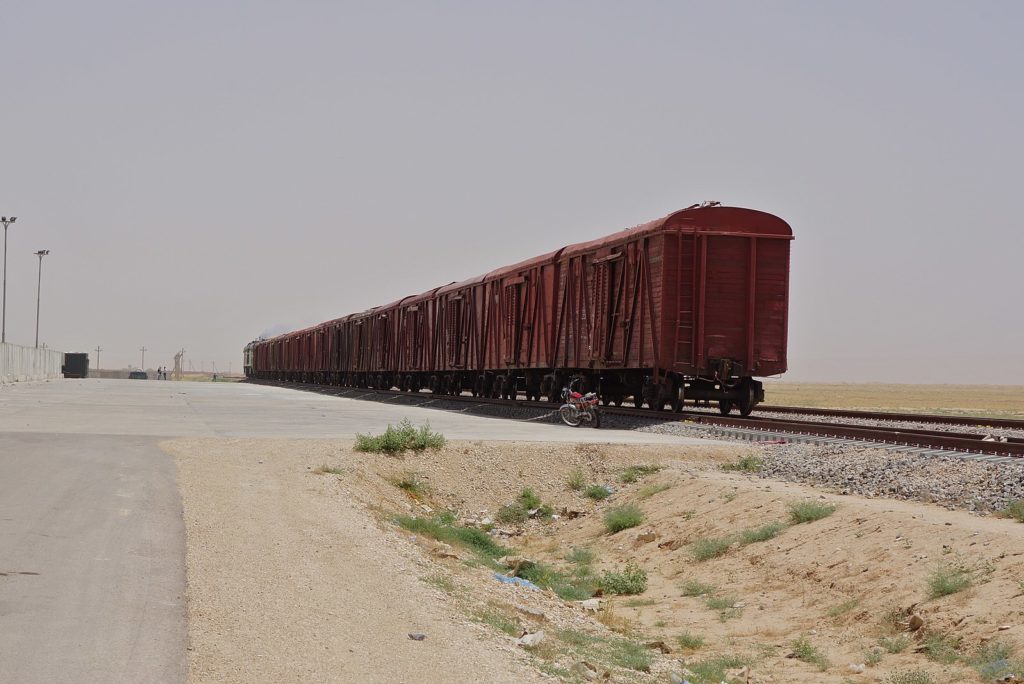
<point x="579" y="408"/>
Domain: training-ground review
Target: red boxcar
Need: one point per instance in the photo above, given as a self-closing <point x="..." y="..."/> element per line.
<point x="692" y="306"/>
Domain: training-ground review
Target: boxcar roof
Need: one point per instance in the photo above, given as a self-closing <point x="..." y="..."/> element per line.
<point x="716" y="219"/>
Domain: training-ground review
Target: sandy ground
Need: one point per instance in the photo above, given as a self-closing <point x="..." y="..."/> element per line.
<point x="289" y="581"/>
<point x="994" y="401"/>
<point x="296" y="575"/>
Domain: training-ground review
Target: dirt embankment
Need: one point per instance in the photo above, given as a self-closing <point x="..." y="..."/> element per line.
<point x="297" y="574"/>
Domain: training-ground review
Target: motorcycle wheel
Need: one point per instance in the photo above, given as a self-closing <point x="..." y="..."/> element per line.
<point x="569" y="416"/>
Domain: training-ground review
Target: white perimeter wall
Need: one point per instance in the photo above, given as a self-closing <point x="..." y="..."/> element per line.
<point x="18" y="364"/>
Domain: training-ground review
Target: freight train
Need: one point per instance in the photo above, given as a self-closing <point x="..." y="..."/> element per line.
<point x="689" y="307"/>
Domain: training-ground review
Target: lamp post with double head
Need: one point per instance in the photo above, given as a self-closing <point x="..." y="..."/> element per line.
<point x="39" y="288"/>
<point x="3" y="317"/>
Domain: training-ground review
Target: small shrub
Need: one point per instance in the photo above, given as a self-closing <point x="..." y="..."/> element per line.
<point x="631" y="655"/>
<point x="501" y="621"/>
<point x="842" y="608"/>
<point x="622" y="518"/>
<point x="809" y="511"/>
<point x="695" y="588"/>
<point x="712" y="670"/>
<point x="596" y="492"/>
<point x="896" y="644"/>
<point x="575" y="586"/>
<point x="442" y="582"/>
<point x="710" y="547"/>
<point x="519" y="510"/>
<point x="581" y="556"/>
<point x="475" y="540"/>
<point x="328" y="470"/>
<point x="648" y="491"/>
<point x="411" y="483"/>
<point x="747" y="464"/>
<point x="634" y="473"/>
<point x="993" y="661"/>
<point x="763" y="533"/>
<point x="809" y="653"/>
<point x="1015" y="510"/>
<point x="399" y="438"/>
<point x="725" y="605"/>
<point x="940" y="649"/>
<point x="632" y="580"/>
<point x="528" y="499"/>
<point x="873" y="657"/>
<point x="909" y="677"/>
<point x="639" y="603"/>
<point x="511" y="514"/>
<point x="577" y="480"/>
<point x="689" y="642"/>
<point x="948" y="579"/>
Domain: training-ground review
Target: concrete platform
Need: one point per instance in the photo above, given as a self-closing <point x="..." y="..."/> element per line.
<point x="204" y="409"/>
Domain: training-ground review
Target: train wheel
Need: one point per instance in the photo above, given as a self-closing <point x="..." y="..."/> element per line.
<point x="725" y="406"/>
<point x="746" y="401"/>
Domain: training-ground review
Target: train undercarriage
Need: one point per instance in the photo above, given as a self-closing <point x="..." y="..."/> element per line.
<point x="669" y="392"/>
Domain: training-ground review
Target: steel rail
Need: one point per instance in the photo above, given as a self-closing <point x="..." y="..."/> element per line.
<point x="931" y="439"/>
<point x="974" y="421"/>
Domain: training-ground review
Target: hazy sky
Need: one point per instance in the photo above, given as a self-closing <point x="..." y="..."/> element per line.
<point x="206" y="171"/>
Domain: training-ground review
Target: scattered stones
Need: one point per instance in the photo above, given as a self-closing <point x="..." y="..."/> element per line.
<point x="532" y="613"/>
<point x="592" y="605"/>
<point x="530" y="640"/>
<point x="671" y="544"/>
<point x="916" y="622"/>
<point x="951" y="482"/>
<point x="417" y="636"/>
<point x="646" y="537"/>
<point x="855" y="668"/>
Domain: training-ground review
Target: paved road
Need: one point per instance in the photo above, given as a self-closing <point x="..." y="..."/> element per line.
<point x="205" y="409"/>
<point x="91" y="537"/>
<point x="92" y="571"/>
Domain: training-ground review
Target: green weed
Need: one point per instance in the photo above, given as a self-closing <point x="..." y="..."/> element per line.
<point x="842" y="608"/>
<point x="909" y="677"/>
<point x="712" y="670"/>
<point x="763" y="533"/>
<point x="896" y="644"/>
<point x="690" y="642"/>
<point x="622" y="518"/>
<point x="477" y="541"/>
<point x="747" y="464"/>
<point x="647" y="491"/>
<point x="707" y="548"/>
<point x="596" y="492"/>
<point x="632" y="580"/>
<point x="948" y="579"/>
<point x="941" y="649"/>
<point x="1015" y="510"/>
<point x="809" y="653"/>
<point x="328" y="470"/>
<point x="809" y="511"/>
<point x="634" y="473"/>
<point x="695" y="588"/>
<point x="577" y="480"/>
<point x="411" y="483"/>
<point x="399" y="438"/>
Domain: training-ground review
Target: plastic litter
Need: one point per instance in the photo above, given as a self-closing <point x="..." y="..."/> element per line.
<point x="505" y="579"/>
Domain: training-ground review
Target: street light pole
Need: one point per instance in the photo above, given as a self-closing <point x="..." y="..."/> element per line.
<point x="39" y="289"/>
<point x="98" y="350"/>
<point x="3" y="321"/>
<point x="143" y="350"/>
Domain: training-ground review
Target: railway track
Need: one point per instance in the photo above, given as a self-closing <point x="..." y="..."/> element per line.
<point x="906" y="417"/>
<point x="770" y="428"/>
